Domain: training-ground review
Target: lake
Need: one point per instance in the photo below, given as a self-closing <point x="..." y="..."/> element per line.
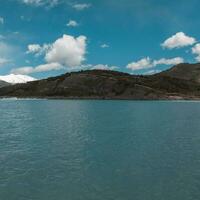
<point x="99" y="150"/>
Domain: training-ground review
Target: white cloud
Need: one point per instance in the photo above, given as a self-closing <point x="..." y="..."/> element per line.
<point x="40" y="68"/>
<point x="178" y="40"/>
<point x="1" y="20"/>
<point x="147" y="63"/>
<point x="82" y="6"/>
<point x="164" y="61"/>
<point x="72" y="23"/>
<point x="196" y="50"/>
<point x="34" y="48"/>
<point x="140" y="64"/>
<point x="104" y="67"/>
<point x="105" y="46"/>
<point x="68" y="51"/>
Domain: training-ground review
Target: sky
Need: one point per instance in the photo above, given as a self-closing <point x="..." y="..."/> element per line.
<point x="43" y="38"/>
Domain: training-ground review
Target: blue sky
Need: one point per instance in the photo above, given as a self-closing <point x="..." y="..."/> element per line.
<point x="44" y="38"/>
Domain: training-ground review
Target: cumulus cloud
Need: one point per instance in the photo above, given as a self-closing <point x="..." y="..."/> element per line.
<point x="144" y="63"/>
<point x="1" y="20"/>
<point x="68" y="51"/>
<point x="72" y="23"/>
<point x="80" y="7"/>
<point x="164" y="61"/>
<point x="196" y="51"/>
<point x="147" y="63"/>
<point x="105" y="46"/>
<point x="37" y="69"/>
<point x="178" y="40"/>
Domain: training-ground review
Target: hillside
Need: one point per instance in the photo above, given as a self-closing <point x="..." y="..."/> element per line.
<point x="190" y="72"/>
<point x="3" y="84"/>
<point x="180" y="82"/>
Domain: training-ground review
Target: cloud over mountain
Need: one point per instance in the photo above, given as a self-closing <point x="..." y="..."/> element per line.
<point x="37" y="69"/>
<point x="146" y="63"/>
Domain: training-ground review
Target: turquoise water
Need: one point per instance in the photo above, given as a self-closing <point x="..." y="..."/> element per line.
<point x="99" y="150"/>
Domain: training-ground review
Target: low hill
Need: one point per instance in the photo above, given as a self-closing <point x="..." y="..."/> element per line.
<point x="180" y="82"/>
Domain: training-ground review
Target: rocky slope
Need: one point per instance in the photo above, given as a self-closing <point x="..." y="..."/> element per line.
<point x="180" y="82"/>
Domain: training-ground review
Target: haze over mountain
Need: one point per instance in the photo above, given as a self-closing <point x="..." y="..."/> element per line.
<point x="180" y="82"/>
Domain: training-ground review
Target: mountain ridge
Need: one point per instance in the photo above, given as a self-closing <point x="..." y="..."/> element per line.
<point x="174" y="83"/>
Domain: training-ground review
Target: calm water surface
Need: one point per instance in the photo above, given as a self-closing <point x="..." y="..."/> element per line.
<point x="99" y="150"/>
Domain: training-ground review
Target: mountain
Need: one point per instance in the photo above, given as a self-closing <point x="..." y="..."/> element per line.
<point x="180" y="82"/>
<point x="14" y="79"/>
<point x="3" y="84"/>
<point x="189" y="72"/>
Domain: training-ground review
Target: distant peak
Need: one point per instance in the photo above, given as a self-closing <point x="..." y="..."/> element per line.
<point x="17" y="78"/>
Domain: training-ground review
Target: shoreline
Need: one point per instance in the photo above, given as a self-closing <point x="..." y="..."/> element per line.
<point x="170" y="98"/>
